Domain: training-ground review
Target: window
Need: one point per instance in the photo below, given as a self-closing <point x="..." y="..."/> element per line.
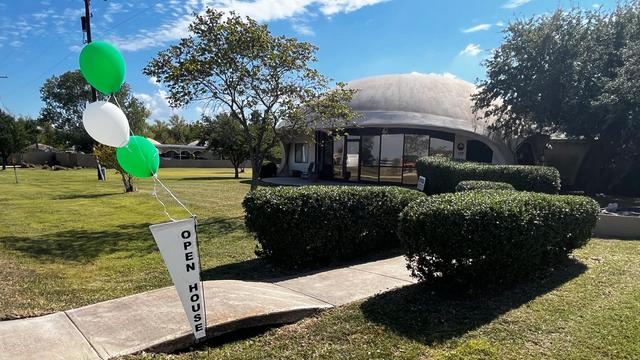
<point x="415" y="147"/>
<point x="391" y="154"/>
<point x="370" y="150"/>
<point x="338" y="153"/>
<point x="302" y="153"/>
<point x="441" y="147"/>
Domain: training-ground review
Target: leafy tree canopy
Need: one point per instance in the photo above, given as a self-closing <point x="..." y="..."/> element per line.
<point x="237" y="65"/>
<point x="574" y="73"/>
<point x="65" y="98"/>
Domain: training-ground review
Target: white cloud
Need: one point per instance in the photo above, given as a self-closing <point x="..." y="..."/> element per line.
<point x="512" y="4"/>
<point x="157" y="102"/>
<point x="303" y="28"/>
<point x="480" y="27"/>
<point x="445" y="74"/>
<point x="500" y="24"/>
<point x="331" y="7"/>
<point x="260" y="10"/>
<point x="471" y="49"/>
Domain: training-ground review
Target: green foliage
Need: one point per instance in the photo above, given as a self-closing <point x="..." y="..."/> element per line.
<point x="443" y="175"/>
<point x="265" y="82"/>
<point x="468" y="185"/>
<point x="106" y="156"/>
<point x="310" y="225"/>
<point x="224" y="135"/>
<point x="574" y="72"/>
<point x="65" y="98"/>
<point x="268" y="169"/>
<point x="15" y="135"/>
<point x="492" y="238"/>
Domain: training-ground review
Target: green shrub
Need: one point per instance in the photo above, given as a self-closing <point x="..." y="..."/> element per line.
<point x="268" y="169"/>
<point x="443" y="175"/>
<point x="318" y="224"/>
<point x="468" y="185"/>
<point x="490" y="238"/>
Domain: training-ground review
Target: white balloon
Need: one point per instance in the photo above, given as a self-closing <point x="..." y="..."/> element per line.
<point x="106" y="123"/>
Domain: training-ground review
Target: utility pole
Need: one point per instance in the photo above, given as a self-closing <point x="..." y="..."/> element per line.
<point x="86" y="27"/>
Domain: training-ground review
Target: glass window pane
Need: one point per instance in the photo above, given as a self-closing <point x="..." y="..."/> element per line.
<point x="441" y="147"/>
<point x="302" y="153"/>
<point x="338" y="149"/>
<point x="409" y="176"/>
<point x="391" y="175"/>
<point x="391" y="154"/>
<point x="371" y="150"/>
<point x="415" y="147"/>
<point x="369" y="173"/>
<point x="353" y="159"/>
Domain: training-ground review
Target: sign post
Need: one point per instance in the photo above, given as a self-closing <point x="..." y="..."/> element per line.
<point x="421" y="183"/>
<point x="178" y="244"/>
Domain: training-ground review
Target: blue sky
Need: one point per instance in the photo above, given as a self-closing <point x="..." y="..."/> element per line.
<point x="357" y="38"/>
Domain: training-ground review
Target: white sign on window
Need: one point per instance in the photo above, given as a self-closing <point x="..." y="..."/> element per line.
<point x="178" y="246"/>
<point x="421" y="183"/>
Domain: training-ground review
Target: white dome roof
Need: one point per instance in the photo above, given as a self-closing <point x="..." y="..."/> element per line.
<point x="416" y="100"/>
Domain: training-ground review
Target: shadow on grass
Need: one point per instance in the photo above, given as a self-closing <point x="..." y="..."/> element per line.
<point x="80" y="245"/>
<point x="429" y="315"/>
<point x="205" y="178"/>
<point x="86" y="196"/>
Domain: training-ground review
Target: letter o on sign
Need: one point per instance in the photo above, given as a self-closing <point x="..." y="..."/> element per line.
<point x="186" y="234"/>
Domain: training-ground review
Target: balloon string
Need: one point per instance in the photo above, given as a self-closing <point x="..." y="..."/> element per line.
<point x="155" y="195"/>
<point x="157" y="179"/>
<point x="173" y="196"/>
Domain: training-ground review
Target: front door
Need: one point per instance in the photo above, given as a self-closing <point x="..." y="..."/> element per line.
<point x="352" y="159"/>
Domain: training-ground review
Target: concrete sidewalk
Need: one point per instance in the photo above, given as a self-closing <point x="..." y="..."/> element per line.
<point x="155" y="321"/>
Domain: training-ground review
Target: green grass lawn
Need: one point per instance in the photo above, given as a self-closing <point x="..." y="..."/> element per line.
<point x="587" y="309"/>
<point x="67" y="240"/>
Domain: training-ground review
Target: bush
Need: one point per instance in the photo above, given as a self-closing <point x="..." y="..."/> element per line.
<point x="443" y="175"/>
<point x="312" y="225"/>
<point x="468" y="185"/>
<point x="491" y="238"/>
<point x="268" y="169"/>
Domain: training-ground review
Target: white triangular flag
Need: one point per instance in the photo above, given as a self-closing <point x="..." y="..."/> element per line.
<point x="178" y="244"/>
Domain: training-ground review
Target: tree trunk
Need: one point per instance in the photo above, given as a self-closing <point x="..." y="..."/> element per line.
<point x="236" y="166"/>
<point x="127" y="181"/>
<point x="15" y="173"/>
<point x="256" y="165"/>
<point x="4" y="162"/>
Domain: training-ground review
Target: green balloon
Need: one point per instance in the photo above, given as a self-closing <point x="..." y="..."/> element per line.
<point x="139" y="157"/>
<point x="102" y="66"/>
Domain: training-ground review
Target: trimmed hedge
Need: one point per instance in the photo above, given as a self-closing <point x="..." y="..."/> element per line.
<point x="268" y="169"/>
<point x="444" y="174"/>
<point x="491" y="238"/>
<point x="469" y="185"/>
<point x="311" y="225"/>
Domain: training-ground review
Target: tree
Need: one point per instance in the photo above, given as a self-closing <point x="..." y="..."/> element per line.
<point x="568" y="73"/>
<point x="15" y="136"/>
<point x="224" y="135"/>
<point x="65" y="98"/>
<point x="237" y="65"/>
<point x="106" y="155"/>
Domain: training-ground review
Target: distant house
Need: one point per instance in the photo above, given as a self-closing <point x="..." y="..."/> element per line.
<point x="189" y="155"/>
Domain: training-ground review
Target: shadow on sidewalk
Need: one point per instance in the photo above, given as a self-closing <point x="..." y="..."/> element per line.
<point x="429" y="315"/>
